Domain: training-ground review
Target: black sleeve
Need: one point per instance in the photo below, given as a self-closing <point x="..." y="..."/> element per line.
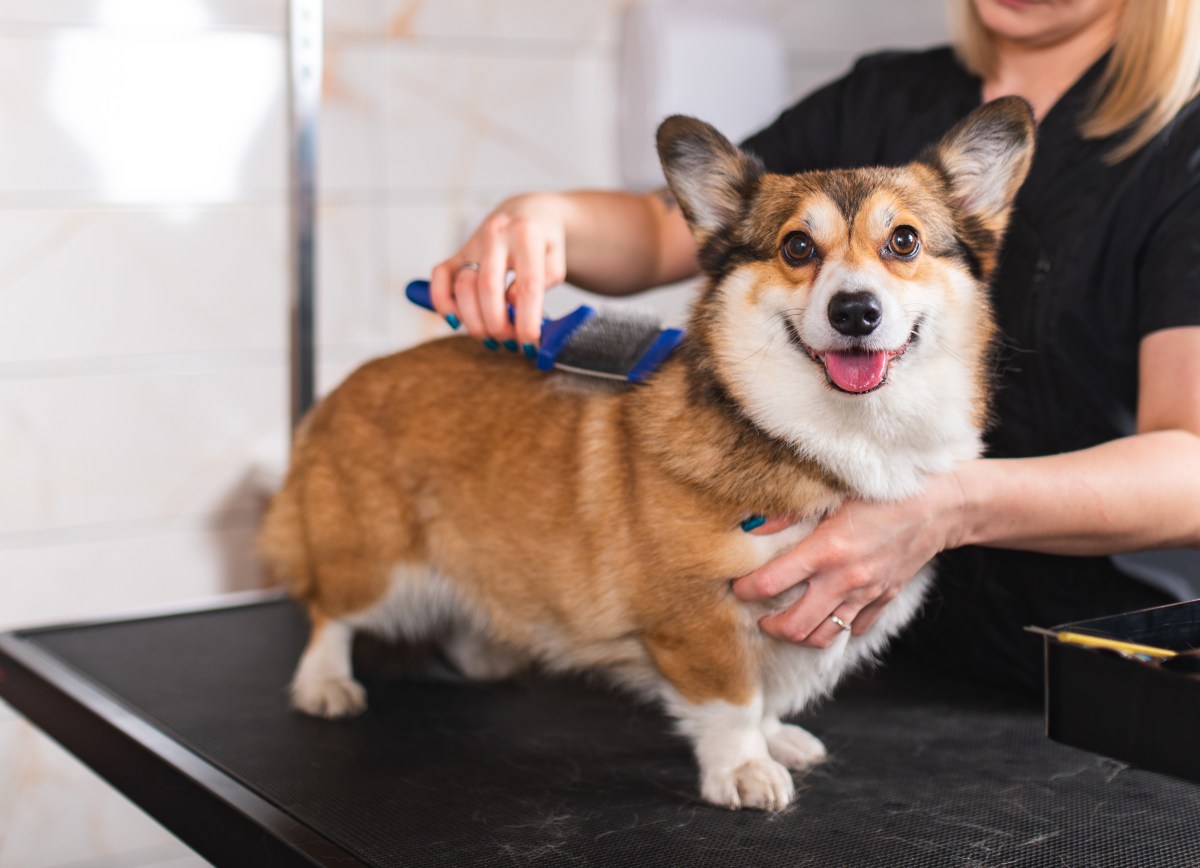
<point x="1169" y="275"/>
<point x="864" y="118"/>
<point x="806" y="136"/>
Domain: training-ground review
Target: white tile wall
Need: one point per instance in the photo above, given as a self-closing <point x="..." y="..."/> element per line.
<point x="103" y="281"/>
<point x="143" y="277"/>
<point x="129" y="448"/>
<point x="478" y="120"/>
<point x="54" y="812"/>
<point x="84" y="120"/>
<point x="352" y="152"/>
<point x="100" y="576"/>
<point x="509" y="24"/>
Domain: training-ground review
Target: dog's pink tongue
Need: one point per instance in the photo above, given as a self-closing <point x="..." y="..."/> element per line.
<point x="856" y="372"/>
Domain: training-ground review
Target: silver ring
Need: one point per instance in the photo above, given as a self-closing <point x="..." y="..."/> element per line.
<point x="469" y="265"/>
<point x="835" y="619"/>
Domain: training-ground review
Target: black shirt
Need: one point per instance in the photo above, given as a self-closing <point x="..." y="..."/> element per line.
<point x="1096" y="257"/>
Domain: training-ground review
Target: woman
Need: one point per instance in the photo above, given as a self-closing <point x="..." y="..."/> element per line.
<point x="1097" y="450"/>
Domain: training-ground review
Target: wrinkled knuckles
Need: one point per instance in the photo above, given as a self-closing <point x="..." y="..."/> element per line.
<point x="822" y="642"/>
<point x="524" y="290"/>
<point x="792" y="633"/>
<point x="858" y="580"/>
<point x="834" y="551"/>
<point x="495" y="226"/>
<point x="766" y="585"/>
<point x="525" y="230"/>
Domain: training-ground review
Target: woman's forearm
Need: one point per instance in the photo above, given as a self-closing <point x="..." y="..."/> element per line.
<point x="1138" y="492"/>
<point x="618" y="242"/>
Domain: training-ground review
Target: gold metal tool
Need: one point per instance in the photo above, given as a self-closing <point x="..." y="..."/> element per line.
<point x="1128" y="648"/>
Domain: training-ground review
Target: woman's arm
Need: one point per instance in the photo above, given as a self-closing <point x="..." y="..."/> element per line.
<point x="1138" y="492"/>
<point x="610" y="242"/>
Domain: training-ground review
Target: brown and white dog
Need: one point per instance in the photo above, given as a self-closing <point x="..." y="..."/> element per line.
<point x="839" y="349"/>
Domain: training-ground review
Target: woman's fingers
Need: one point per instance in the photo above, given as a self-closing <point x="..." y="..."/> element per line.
<point x="790" y="568"/>
<point x="804" y="617"/>
<point x="870" y="613"/>
<point x="828" y="631"/>
<point x="556" y="260"/>
<point x="466" y="299"/>
<point x="773" y="524"/>
<point x="529" y="285"/>
<point x="472" y="284"/>
<point x="493" y="273"/>
<point x="441" y="289"/>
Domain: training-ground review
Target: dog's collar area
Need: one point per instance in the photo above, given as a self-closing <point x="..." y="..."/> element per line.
<point x="873" y="383"/>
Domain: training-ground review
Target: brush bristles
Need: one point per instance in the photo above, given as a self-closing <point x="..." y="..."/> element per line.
<point x="611" y="342"/>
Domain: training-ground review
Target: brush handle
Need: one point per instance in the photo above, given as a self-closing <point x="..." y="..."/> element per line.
<point x="418" y="293"/>
<point x="555" y="333"/>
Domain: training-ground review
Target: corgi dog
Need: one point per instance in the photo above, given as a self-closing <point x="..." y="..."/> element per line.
<point x="838" y="349"/>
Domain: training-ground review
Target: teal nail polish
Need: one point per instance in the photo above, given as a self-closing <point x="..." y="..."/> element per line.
<point x="530" y="351"/>
<point x="753" y="521"/>
<point x="511" y="346"/>
<point x="491" y="344"/>
<point x="454" y="321"/>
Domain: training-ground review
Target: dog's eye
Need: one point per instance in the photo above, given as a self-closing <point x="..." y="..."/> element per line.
<point x="798" y="248"/>
<point x="904" y="241"/>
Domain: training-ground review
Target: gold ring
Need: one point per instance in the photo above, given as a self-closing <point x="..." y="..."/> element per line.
<point x="835" y="619"/>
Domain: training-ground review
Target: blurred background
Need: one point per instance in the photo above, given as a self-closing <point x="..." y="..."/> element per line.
<point x="144" y="271"/>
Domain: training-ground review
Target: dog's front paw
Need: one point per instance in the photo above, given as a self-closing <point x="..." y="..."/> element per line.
<point x="795" y="747"/>
<point x="329" y="697"/>
<point x="762" y="784"/>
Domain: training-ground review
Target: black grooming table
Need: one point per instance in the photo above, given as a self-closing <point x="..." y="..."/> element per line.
<point x="187" y="714"/>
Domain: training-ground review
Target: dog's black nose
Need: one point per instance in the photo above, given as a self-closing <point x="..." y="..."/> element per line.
<point x="855" y="313"/>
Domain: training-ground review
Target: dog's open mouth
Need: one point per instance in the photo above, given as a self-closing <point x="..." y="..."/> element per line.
<point x="855" y="371"/>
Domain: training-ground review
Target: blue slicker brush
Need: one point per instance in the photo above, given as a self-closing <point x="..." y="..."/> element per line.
<point x="613" y="345"/>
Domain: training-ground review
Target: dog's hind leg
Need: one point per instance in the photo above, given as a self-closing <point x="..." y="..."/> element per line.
<point x="716" y="695"/>
<point x="480" y="659"/>
<point x="324" y="685"/>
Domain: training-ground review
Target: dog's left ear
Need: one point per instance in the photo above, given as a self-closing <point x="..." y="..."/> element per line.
<point x="710" y="177"/>
<point x="985" y="159"/>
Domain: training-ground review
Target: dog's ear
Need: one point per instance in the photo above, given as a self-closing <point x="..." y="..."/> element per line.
<point x="985" y="159"/>
<point x="708" y="174"/>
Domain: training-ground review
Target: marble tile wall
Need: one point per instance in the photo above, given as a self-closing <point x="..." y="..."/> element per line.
<point x="143" y="277"/>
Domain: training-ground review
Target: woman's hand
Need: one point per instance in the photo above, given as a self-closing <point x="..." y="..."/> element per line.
<point x="525" y="234"/>
<point x="856" y="561"/>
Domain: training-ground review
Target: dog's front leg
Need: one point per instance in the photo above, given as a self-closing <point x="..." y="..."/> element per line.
<point x="736" y="768"/>
<point x="714" y="691"/>
<point x="792" y="745"/>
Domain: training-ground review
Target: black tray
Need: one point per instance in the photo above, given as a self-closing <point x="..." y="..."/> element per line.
<point x="187" y="714"/>
<point x="1125" y="708"/>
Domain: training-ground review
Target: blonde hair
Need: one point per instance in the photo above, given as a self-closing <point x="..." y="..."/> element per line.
<point x="1153" y="72"/>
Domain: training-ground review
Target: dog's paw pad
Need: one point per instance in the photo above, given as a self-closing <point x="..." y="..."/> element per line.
<point x="762" y="784"/>
<point x="329" y="697"/>
<point x="796" y="748"/>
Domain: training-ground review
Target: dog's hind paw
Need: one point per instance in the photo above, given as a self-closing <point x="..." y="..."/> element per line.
<point x="795" y="747"/>
<point x="329" y="697"/>
<point x="762" y="784"/>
